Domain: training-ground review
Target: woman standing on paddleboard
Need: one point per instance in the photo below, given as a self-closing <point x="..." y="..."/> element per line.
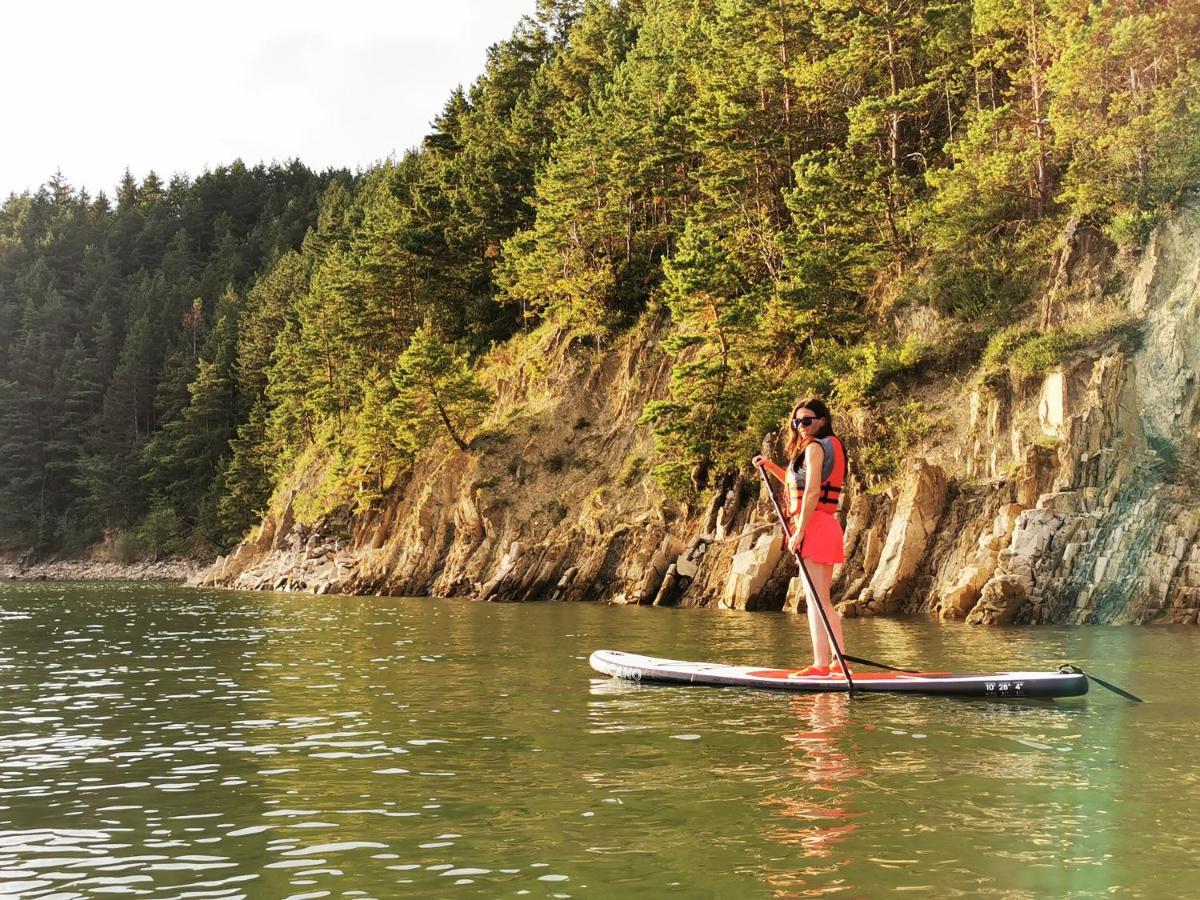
<point x="816" y="535"/>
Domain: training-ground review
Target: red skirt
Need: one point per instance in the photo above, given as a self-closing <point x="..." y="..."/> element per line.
<point x="823" y="539"/>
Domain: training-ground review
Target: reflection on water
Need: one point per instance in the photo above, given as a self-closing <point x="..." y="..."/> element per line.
<point x="822" y="763"/>
<point x="817" y="818"/>
<point x="161" y="742"/>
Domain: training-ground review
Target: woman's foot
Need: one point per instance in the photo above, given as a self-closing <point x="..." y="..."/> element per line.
<point x="812" y="672"/>
<point x="836" y="668"/>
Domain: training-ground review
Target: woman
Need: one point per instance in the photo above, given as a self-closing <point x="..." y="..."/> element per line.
<point x="816" y="535"/>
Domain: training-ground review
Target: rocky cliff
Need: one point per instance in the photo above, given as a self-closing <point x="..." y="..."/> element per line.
<point x="1069" y="497"/>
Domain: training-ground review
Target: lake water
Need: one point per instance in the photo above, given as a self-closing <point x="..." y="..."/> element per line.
<point x="164" y="742"/>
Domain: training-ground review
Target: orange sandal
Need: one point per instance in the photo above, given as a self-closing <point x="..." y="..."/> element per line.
<point x="836" y="669"/>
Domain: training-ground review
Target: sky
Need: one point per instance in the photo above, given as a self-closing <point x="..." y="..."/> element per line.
<point x="93" y="88"/>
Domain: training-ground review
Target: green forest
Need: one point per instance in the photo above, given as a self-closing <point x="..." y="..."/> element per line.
<point x="775" y="180"/>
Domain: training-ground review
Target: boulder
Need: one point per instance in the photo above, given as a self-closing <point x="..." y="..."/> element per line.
<point x="1002" y="600"/>
<point x="751" y="568"/>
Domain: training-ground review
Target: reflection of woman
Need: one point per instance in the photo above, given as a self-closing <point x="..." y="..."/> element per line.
<point x="819" y="825"/>
<point x="811" y="502"/>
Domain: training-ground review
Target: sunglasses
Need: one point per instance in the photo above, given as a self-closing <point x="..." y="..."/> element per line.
<point x="804" y="420"/>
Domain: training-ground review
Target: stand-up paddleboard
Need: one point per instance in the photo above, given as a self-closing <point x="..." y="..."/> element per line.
<point x="999" y="685"/>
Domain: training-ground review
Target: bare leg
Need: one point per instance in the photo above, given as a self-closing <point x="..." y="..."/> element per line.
<point x="822" y="578"/>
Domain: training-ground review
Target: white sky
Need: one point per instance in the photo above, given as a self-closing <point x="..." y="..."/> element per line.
<point x="93" y="87"/>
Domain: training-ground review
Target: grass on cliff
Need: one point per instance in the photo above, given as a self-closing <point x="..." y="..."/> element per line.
<point x="1029" y="353"/>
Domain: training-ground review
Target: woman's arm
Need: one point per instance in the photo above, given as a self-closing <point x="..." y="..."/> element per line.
<point x="780" y="474"/>
<point x="814" y="459"/>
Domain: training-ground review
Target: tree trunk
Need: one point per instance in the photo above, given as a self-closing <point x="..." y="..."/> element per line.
<point x="1041" y="173"/>
<point x="894" y="115"/>
<point x="437" y="401"/>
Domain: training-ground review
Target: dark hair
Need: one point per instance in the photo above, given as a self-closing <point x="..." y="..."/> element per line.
<point x="796" y="441"/>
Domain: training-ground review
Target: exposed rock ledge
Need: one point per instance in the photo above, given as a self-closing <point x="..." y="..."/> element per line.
<point x="1075" y="499"/>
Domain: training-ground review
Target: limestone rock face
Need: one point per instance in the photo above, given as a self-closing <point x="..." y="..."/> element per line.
<point x="1112" y="540"/>
<point x="1166" y="291"/>
<point x="918" y="511"/>
<point x="1077" y="500"/>
<point x="959" y="596"/>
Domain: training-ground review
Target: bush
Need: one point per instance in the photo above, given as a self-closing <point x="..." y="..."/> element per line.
<point x="127" y="548"/>
<point x="1132" y="227"/>
<point x="1028" y="353"/>
<point x="491" y="438"/>
<point x="879" y="457"/>
<point x="915" y="351"/>
<point x="1039" y="354"/>
<point x="557" y="510"/>
<point x="674" y="478"/>
<point x="1000" y="347"/>
<point x="632" y="471"/>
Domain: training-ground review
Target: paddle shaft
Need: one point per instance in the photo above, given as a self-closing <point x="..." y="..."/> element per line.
<point x="812" y="588"/>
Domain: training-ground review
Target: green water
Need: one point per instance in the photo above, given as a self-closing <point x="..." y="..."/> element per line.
<point x="162" y="742"/>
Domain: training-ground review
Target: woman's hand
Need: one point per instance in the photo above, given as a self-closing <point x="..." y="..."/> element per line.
<point x="757" y="461"/>
<point x="797" y="540"/>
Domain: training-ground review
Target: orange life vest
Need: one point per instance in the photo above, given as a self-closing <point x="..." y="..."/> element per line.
<point x="831" y="488"/>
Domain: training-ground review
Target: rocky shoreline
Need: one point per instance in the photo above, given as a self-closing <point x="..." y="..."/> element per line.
<point x="95" y="570"/>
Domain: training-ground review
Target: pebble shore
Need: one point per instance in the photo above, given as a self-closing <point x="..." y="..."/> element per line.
<point x="91" y="570"/>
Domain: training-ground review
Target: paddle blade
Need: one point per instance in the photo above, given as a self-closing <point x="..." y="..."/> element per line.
<point x="1114" y="688"/>
<point x="1100" y="681"/>
<point x="877" y="665"/>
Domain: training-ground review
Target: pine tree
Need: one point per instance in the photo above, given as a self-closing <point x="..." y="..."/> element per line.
<point x="269" y="304"/>
<point x="183" y="460"/>
<point x="248" y="479"/>
<point x="1125" y="106"/>
<point x="378" y="454"/>
<point x="983" y="219"/>
<point x="609" y="197"/>
<point x="717" y="376"/>
<point x="436" y="393"/>
<point x="104" y="311"/>
<point x="326" y="314"/>
<point x="388" y="273"/>
<point x="291" y="422"/>
<point x="21" y="476"/>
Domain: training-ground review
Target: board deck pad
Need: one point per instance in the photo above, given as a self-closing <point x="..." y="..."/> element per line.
<point x="997" y="685"/>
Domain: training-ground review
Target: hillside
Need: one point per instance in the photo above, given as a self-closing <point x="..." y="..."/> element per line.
<point x="1069" y="496"/>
